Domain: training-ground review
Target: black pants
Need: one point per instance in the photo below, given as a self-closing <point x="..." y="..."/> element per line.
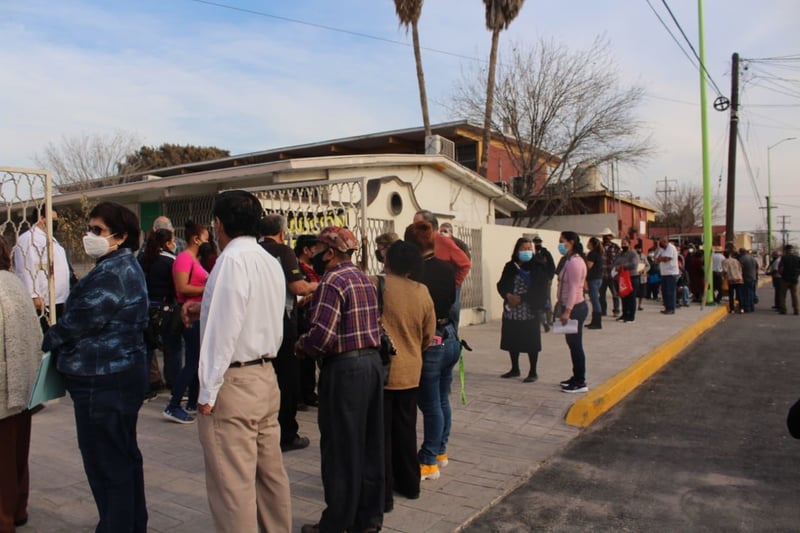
<point x="350" y="420"/>
<point x="609" y="285"/>
<point x="400" y="442"/>
<point x="15" y="478"/>
<point x="629" y="301"/>
<point x="287" y="369"/>
<point x="308" y="381"/>
<point x="106" y="412"/>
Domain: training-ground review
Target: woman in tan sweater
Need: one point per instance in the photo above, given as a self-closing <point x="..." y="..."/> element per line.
<point x="409" y="318"/>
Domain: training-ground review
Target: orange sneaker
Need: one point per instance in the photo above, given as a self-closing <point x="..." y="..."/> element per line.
<point x="442" y="461"/>
<point x="429" y="472"/>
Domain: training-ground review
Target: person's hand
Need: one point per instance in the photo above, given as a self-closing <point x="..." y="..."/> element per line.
<point x="204" y="408"/>
<point x="513" y="299"/>
<point x="190" y="312"/>
<point x="38" y="303"/>
<point x="298" y="350"/>
<point x="564" y="317"/>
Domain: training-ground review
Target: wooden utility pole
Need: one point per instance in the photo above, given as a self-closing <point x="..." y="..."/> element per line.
<point x="729" y="204"/>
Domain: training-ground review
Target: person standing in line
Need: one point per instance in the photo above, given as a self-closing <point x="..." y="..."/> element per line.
<point x="790" y="272"/>
<point x="732" y="273"/>
<point x="611" y="251"/>
<point x="643" y="269"/>
<point x="304" y="251"/>
<point x="446" y="229"/>
<point x="32" y="266"/>
<point x="773" y="271"/>
<point x="409" y="318"/>
<point x="522" y="286"/>
<point x="572" y="306"/>
<point x="20" y="339"/>
<point x="628" y="260"/>
<point x="543" y="257"/>
<point x="447" y="250"/>
<point x="100" y="350"/>
<point x="273" y="230"/>
<point x="382" y="244"/>
<point x="595" y="263"/>
<point x="667" y="258"/>
<point x="241" y="320"/>
<point x="344" y="338"/>
<point x="438" y="360"/>
<point x="750" y="279"/>
<point x="190" y="278"/>
<point x="654" y="277"/>
<point x="156" y="261"/>
<point x="716" y="265"/>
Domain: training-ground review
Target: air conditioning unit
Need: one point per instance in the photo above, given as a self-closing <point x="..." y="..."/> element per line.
<point x="436" y="144"/>
<point x="502" y="184"/>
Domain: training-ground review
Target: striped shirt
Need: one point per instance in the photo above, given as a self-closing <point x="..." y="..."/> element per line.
<point x="344" y="313"/>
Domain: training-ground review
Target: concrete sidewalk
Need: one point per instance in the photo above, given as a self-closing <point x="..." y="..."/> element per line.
<point x="503" y="433"/>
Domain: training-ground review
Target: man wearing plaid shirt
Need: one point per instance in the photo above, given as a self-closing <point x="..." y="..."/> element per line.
<point x="344" y="337"/>
<point x="612" y="251"/>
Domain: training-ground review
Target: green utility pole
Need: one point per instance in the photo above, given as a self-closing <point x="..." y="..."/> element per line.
<point x="707" y="233"/>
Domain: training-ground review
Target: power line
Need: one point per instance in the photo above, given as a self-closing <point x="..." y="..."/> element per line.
<point x="332" y="28"/>
<point x="685" y="53"/>
<point x="675" y="20"/>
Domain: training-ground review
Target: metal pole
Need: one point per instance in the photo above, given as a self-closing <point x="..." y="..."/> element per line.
<point x="707" y="234"/>
<point x="731" y="193"/>
<point x="769" y="192"/>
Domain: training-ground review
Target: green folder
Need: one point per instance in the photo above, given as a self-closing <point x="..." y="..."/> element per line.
<point x="49" y="383"/>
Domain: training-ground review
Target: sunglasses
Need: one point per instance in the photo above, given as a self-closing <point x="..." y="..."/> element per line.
<point x="97" y="230"/>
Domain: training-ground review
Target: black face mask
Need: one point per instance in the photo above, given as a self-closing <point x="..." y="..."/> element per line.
<point x="319" y="264"/>
<point x="624" y="248"/>
<point x="55" y="226"/>
<point x="663" y="246"/>
<point x="537" y="247"/>
<point x="205" y="249"/>
<point x="378" y="256"/>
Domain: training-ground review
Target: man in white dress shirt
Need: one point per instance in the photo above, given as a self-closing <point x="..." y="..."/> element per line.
<point x="32" y="265"/>
<point x="241" y="328"/>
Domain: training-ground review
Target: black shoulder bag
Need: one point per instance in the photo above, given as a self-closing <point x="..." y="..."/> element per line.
<point x="387" y="349"/>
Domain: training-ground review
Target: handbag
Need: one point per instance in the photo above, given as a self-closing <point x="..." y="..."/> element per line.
<point x="387" y="349"/>
<point x="625" y="283"/>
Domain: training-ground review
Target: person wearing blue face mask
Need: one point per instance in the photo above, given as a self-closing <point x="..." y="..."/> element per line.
<point x="523" y="287"/>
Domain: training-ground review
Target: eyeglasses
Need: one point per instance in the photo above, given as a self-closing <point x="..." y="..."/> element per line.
<point x="97" y="230"/>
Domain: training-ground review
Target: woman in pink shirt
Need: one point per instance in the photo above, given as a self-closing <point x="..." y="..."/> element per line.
<point x="190" y="281"/>
<point x="572" y="305"/>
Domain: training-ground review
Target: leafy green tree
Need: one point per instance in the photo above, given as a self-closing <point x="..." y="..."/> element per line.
<point x="167" y="155"/>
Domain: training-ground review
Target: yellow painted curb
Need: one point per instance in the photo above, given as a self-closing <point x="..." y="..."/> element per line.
<point x="601" y="399"/>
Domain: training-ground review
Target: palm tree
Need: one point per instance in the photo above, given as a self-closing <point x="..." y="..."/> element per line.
<point x="499" y="14"/>
<point x="409" y="11"/>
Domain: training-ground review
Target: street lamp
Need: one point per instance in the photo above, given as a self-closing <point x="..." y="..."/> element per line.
<point x="769" y="192"/>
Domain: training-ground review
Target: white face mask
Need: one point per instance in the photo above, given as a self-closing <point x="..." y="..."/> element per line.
<point x="95" y="245"/>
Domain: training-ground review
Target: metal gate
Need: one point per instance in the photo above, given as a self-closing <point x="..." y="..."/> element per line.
<point x="24" y="193"/>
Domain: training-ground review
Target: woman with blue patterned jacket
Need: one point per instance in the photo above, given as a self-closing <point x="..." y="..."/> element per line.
<point x="100" y="350"/>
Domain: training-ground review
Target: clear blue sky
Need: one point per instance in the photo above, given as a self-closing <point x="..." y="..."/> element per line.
<point x="183" y="71"/>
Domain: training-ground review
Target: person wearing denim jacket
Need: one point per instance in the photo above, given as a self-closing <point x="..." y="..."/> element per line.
<point x="100" y="350"/>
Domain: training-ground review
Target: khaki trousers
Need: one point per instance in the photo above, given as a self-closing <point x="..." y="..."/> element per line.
<point x="246" y="483"/>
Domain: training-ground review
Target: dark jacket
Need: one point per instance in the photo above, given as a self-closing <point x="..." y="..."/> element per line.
<point x="160" y="283"/>
<point x="537" y="292"/>
<point x="102" y="329"/>
<point x="790" y="268"/>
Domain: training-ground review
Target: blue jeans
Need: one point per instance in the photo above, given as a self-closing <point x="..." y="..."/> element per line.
<point x="668" y="286"/>
<point x="106" y="411"/>
<point x="594" y="295"/>
<point x="609" y="285"/>
<point x="434" y="396"/>
<point x="187" y="377"/>
<point x="575" y="343"/>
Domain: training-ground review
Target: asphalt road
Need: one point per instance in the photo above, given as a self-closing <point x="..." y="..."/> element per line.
<point x="701" y="446"/>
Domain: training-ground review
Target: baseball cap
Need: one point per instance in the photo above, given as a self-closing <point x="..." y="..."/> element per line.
<point x="341" y="239"/>
<point x="536" y="238"/>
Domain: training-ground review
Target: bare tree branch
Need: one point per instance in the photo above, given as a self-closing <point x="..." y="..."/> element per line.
<point x="558" y="109"/>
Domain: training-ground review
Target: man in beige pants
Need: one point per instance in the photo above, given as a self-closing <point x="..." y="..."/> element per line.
<point x="241" y="327"/>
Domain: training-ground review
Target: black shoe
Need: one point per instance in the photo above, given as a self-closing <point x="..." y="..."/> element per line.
<point x="620" y="319"/>
<point x="310" y="528"/>
<point x="312" y="402"/>
<point x="388" y="506"/>
<point x="298" y="443"/>
<point x="665" y="312"/>
<point x="21" y="522"/>
<point x="302" y="407"/>
<point x="594" y="326"/>
<point x="566" y="382"/>
<point x="575" y="387"/>
<point x="511" y="374"/>
<point x="531" y="378"/>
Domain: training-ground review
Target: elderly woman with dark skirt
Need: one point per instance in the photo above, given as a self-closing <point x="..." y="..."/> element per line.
<point x="523" y="286"/>
<point x="572" y="306"/>
<point x="20" y="338"/>
<point x="100" y="350"/>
